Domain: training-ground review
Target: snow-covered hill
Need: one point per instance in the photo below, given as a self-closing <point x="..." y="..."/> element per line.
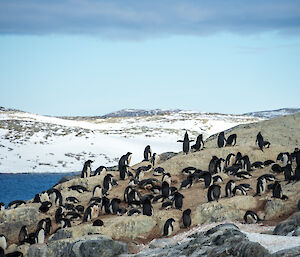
<point x="273" y="113"/>
<point x="36" y="143"/>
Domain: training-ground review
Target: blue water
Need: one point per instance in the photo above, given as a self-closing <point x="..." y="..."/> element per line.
<point x="25" y="186"/>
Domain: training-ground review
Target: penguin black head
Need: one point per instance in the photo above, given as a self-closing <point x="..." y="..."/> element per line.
<point x="187" y="212"/>
<point x="98" y="223"/>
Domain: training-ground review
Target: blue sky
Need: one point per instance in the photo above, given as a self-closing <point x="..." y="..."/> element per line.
<point x="92" y="57"/>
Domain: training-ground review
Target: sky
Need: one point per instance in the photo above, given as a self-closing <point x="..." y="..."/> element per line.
<point x="92" y="57"/>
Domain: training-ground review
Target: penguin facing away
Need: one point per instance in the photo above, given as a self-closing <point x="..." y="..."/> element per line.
<point x="186" y="143"/>
<point x="213" y="193"/>
<point x="147" y="153"/>
<point x="186" y="218"/>
<point x="260" y="141"/>
<point x="221" y="139"/>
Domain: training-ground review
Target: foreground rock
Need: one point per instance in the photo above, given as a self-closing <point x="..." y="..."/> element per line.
<point x="222" y="240"/>
<point x="289" y="226"/>
<point x="88" y="246"/>
<point x="295" y="251"/>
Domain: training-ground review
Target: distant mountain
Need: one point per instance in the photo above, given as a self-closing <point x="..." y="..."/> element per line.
<point x="139" y="112"/>
<point x="273" y="113"/>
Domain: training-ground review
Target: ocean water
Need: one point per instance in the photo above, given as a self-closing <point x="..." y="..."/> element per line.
<point x="24" y="186"/>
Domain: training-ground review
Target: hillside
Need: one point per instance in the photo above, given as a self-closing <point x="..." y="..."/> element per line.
<point x="36" y="143"/>
<point x="282" y="131"/>
<point x="273" y="113"/>
<point x="138" y="230"/>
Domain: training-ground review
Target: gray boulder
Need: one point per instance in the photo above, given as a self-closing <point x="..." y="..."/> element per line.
<point x="292" y="252"/>
<point x="12" y="220"/>
<point x="222" y="240"/>
<point x="89" y="246"/>
<point x="287" y="226"/>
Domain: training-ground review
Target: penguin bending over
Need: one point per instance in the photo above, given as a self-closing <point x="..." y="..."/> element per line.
<point x="14" y="204"/>
<point x="251" y="217"/>
<point x="99" y="170"/>
<point x="239" y="190"/>
<point x="55" y="196"/>
<point x="199" y="145"/>
<point x="231" y="140"/>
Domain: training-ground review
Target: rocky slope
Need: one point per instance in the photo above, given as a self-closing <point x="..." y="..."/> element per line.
<point x="135" y="230"/>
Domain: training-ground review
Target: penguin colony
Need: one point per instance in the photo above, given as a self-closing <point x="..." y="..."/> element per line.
<point x="142" y="195"/>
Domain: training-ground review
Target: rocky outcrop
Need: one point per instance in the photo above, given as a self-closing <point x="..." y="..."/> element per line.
<point x="223" y="240"/>
<point x="288" y="226"/>
<point x="277" y="208"/>
<point x="12" y="220"/>
<point x="292" y="252"/>
<point x="116" y="228"/>
<point x="88" y="246"/>
<point x="226" y="209"/>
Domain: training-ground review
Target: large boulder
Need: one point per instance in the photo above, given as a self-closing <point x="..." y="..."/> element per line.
<point x="11" y="220"/>
<point x="116" y="227"/>
<point x="222" y="240"/>
<point x="226" y="209"/>
<point x="288" y="226"/>
<point x="88" y="246"/>
<point x="291" y="252"/>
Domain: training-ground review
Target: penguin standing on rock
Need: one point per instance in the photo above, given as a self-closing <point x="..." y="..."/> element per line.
<point x="23" y="235"/>
<point x="3" y="242"/>
<point x="186" y="143"/>
<point x="147" y="208"/>
<point x="221" y="139"/>
<point x="147" y="153"/>
<point x="213" y="193"/>
<point x="260" y="141"/>
<point x="40" y="236"/>
<point x="178" y="200"/>
<point x="168" y="227"/>
<point x="199" y="145"/>
<point x="186" y="218"/>
<point x="86" y="170"/>
<point x="229" y="188"/>
<point x="261" y="186"/>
